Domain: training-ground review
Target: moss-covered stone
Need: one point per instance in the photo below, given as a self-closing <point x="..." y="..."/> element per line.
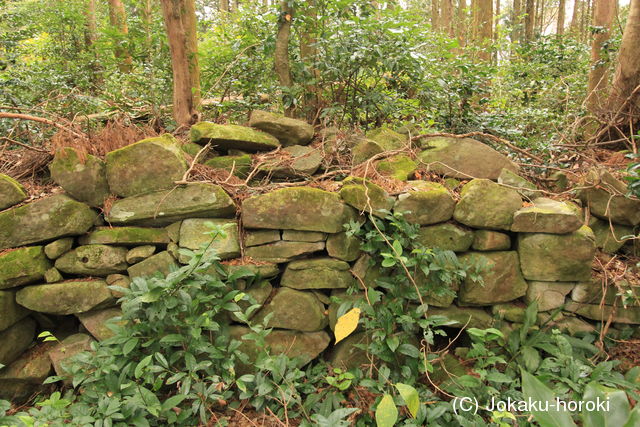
<point x="258" y="293"/>
<point x="10" y="311"/>
<point x="344" y="247"/>
<point x="263" y="270"/>
<point x="367" y="271"/>
<point x="511" y="311"/>
<point x="139" y="253"/>
<point x="593" y="292"/>
<point x="485" y="204"/>
<point x="387" y="138"/>
<point x="297" y="208"/>
<point x="606" y="198"/>
<point x="557" y="257"/>
<point x="547" y="216"/>
<point x="605" y="313"/>
<point x="192" y="236"/>
<point x="400" y="167"/>
<point x="173" y="231"/>
<point x="149" y="165"/>
<point x="288" y="131"/>
<point x="364" y="150"/>
<point x="281" y="251"/>
<point x="463" y="158"/>
<point x="296" y="310"/>
<point x="195" y="200"/>
<point x="93" y="260"/>
<point x="53" y="275"/>
<point x="303" y="236"/>
<point x="426" y="203"/>
<point x="162" y="263"/>
<point x="16" y="339"/>
<point x="487" y="240"/>
<point x="67" y="349"/>
<point x="240" y="165"/>
<point x="365" y="196"/>
<point x="118" y="281"/>
<point x="24" y="377"/>
<point x="610" y="237"/>
<point x="548" y="295"/>
<point x="82" y="177"/>
<point x="317" y="273"/>
<point x="125" y="236"/>
<point x="450" y="237"/>
<point x="229" y="137"/>
<point x="511" y="179"/>
<point x="70" y="297"/>
<point x="297" y="161"/>
<point x="337" y="299"/>
<point x="464" y="317"/>
<point x="58" y="247"/>
<point x="348" y="354"/>
<point x="260" y="237"/>
<point x="96" y="322"/>
<point x="502" y="279"/>
<point x="11" y="192"/>
<point x="44" y="220"/>
<point x="22" y="266"/>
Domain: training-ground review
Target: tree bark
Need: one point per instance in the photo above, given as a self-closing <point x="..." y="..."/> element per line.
<point x="184" y="60"/>
<point x="604" y="12"/>
<point x="483" y="25"/>
<point x="281" y="58"/>
<point x="575" y="17"/>
<point x="224" y="5"/>
<point x="308" y="54"/>
<point x="147" y="12"/>
<point x="435" y="15"/>
<point x="118" y="19"/>
<point x="462" y="23"/>
<point x="624" y="99"/>
<point x="447" y="17"/>
<point x="516" y="19"/>
<point x="561" y="17"/>
<point x="529" y="20"/>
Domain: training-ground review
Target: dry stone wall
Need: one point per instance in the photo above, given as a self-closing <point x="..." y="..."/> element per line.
<point x="62" y="257"/>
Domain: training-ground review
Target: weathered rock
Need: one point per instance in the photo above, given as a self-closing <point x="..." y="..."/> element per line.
<point x="173" y="231"/>
<point x="442" y="297"/>
<point x="125" y="236"/>
<point x="294" y="161"/>
<point x="303" y="236"/>
<point x="485" y="204"/>
<point x="195" y="200"/>
<point x="83" y="177"/>
<point x="503" y="280"/>
<point x="365" y="150"/>
<point x="511" y="179"/>
<point x="282" y="251"/>
<point x="53" y="275"/>
<point x="366" y="271"/>
<point x="120" y="281"/>
<point x="70" y="297"/>
<point x="288" y="131"/>
<point x="192" y="236"/>
<point x="233" y="137"/>
<point x="317" y="273"/>
<point x="343" y="246"/>
<point x="16" y="339"/>
<point x="387" y="138"/>
<point x="628" y="315"/>
<point x="610" y="237"/>
<point x="240" y="165"/>
<point x="592" y="292"/>
<point x="426" y="203"/>
<point x="22" y="266"/>
<point x="93" y="260"/>
<point x="547" y="216"/>
<point x="139" y="253"/>
<point x="260" y="237"/>
<point x="348" y="354"/>
<point x="11" y="192"/>
<point x="259" y="293"/>
<point x="162" y="263"/>
<point x="296" y="310"/>
<point x="574" y="326"/>
<point x="511" y="311"/>
<point x="400" y="167"/>
<point x="365" y="196"/>
<point x="606" y="198"/>
<point x="58" y="247"/>
<point x="337" y="299"/>
<point x="149" y="165"/>
<point x="24" y="377"/>
<point x="44" y="220"/>
<point x="449" y="237"/>
<point x="297" y="208"/>
<point x="549" y="295"/>
<point x="305" y="346"/>
<point x="265" y="270"/>
<point x="463" y="158"/>
<point x="486" y="240"/>
<point x="464" y="316"/>
<point x="96" y="322"/>
<point x="65" y="350"/>
<point x="557" y="257"/>
<point x="10" y="311"/>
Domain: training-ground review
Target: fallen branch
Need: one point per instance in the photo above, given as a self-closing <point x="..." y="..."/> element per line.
<point x="18" y="116"/>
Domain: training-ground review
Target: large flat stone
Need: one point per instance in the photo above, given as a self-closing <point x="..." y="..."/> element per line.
<point x="96" y="322"/>
<point x="365" y="196"/>
<point x="288" y="131"/>
<point x="629" y="315"/>
<point x="93" y="260"/>
<point x="233" y="137"/>
<point x="24" y="377"/>
<point x="464" y="317"/>
<point x="70" y="297"/>
<point x="67" y="349"/>
<point x="317" y="273"/>
<point x="485" y="204"/>
<point x="548" y="295"/>
<point x="344" y="247"/>
<point x="22" y="266"/>
<point x="11" y="192"/>
<point x="149" y="165"/>
<point x="296" y="310"/>
<point x="195" y="200"/>
<point x="283" y="251"/>
<point x="426" y="203"/>
<point x="448" y="237"/>
<point x="16" y="339"/>
<point x="547" y="216"/>
<point x="606" y="198"/>
<point x="44" y="220"/>
<point x="192" y="236"/>
<point x="487" y="240"/>
<point x="83" y="177"/>
<point x="10" y="311"/>
<point x="610" y="237"/>
<point x="125" y="236"/>
<point x="161" y="263"/>
<point x="297" y="208"/>
<point x="294" y="161"/>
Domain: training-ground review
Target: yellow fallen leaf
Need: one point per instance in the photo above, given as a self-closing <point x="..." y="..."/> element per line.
<point x="346" y="324"/>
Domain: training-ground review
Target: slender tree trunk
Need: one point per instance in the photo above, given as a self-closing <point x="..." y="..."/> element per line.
<point x="435" y="15"/>
<point x="446" y="20"/>
<point x="529" y="20"/>
<point x="624" y="99"/>
<point x="308" y="54"/>
<point x="561" y="17"/>
<point x="516" y="19"/>
<point x="186" y="88"/>
<point x="224" y="5"/>
<point x="604" y="12"/>
<point x="541" y="12"/>
<point x="281" y="59"/>
<point x="575" y="17"/>
<point x="118" y="19"/>
<point x="483" y="25"/>
<point x="147" y="13"/>
<point x="190" y="25"/>
<point x="462" y="24"/>
<point x="90" y="37"/>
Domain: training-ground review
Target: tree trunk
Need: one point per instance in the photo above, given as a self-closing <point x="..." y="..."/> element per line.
<point x="483" y="25"/>
<point x="308" y="54"/>
<point x="184" y="59"/>
<point x="118" y="19"/>
<point x="224" y="5"/>
<point x="625" y="90"/>
<point x="435" y="15"/>
<point x="561" y="17"/>
<point x="516" y="19"/>
<point x="190" y="25"/>
<point x="529" y="20"/>
<point x="462" y="24"/>
<point x="281" y="59"/>
<point x="446" y="21"/>
<point x="147" y="13"/>
<point x="604" y="11"/>
<point x="575" y="17"/>
<point x="91" y="28"/>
